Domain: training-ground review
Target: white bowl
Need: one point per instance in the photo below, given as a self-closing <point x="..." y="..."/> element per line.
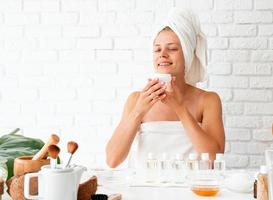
<point x="239" y="182"/>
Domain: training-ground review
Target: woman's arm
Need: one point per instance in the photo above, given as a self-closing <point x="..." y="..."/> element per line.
<point x="120" y="143"/>
<point x="137" y="105"/>
<point x="210" y="137"/>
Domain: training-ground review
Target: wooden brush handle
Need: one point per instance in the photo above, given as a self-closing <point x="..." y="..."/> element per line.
<point x="114" y="197"/>
<point x="53" y="139"/>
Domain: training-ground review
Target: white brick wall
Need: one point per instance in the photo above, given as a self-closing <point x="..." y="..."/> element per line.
<point x="67" y="66"/>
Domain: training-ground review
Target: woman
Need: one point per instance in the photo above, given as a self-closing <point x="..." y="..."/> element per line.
<point x="180" y="116"/>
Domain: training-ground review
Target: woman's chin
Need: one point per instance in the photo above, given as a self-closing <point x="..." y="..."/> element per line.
<point x="164" y="71"/>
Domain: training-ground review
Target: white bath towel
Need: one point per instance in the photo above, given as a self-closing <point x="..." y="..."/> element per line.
<point x="160" y="137"/>
<point x="186" y="25"/>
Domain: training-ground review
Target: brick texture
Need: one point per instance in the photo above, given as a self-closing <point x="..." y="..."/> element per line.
<point x="67" y="66"/>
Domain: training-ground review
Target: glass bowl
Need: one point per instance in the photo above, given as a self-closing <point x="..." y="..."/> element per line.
<point x="205" y="182"/>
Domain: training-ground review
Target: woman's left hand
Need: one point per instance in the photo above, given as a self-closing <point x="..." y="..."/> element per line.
<point x="173" y="96"/>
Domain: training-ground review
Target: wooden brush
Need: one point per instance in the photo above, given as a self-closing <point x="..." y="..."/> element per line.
<point x="71" y="148"/>
<point x="53" y="139"/>
<point x="53" y="151"/>
<point x="114" y="197"/>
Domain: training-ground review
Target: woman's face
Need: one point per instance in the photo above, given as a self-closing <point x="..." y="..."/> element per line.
<point x="167" y="53"/>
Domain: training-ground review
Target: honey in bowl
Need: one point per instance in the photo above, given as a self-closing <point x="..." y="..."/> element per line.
<point x="205" y="191"/>
<point x="205" y="183"/>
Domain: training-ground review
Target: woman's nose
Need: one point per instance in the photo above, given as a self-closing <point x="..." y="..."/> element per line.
<point x="163" y="53"/>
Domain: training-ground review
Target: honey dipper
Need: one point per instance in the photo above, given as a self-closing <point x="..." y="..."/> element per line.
<point x="71" y="148"/>
<point x="53" y="139"/>
<point x="53" y="151"/>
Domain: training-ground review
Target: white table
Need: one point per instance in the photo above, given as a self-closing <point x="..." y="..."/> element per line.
<point x="140" y="192"/>
<point x="172" y="193"/>
<point x="163" y="193"/>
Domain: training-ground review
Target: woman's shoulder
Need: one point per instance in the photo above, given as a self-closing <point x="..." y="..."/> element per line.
<point x="207" y="102"/>
<point x="205" y="98"/>
<point x="210" y="100"/>
<point x="210" y="96"/>
<point x="205" y="95"/>
<point x="133" y="96"/>
<point x="131" y="100"/>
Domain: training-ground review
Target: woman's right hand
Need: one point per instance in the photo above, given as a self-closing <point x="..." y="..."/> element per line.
<point x="152" y="93"/>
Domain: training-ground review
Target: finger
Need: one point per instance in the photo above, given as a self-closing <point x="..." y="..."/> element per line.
<point x="156" y="99"/>
<point x="159" y="92"/>
<point x="147" y="97"/>
<point x="156" y="94"/>
<point x="162" y="96"/>
<point x="173" y="81"/>
<point x="150" y="84"/>
<point x="153" y="96"/>
<point x="154" y="88"/>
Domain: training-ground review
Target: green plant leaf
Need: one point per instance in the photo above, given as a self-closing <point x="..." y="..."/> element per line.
<point x="13" y="146"/>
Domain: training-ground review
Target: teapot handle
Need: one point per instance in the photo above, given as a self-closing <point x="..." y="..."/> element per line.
<point x="26" y="186"/>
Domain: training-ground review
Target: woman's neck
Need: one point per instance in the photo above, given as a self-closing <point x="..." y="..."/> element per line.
<point x="182" y="85"/>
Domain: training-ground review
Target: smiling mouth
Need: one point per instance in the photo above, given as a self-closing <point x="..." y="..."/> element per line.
<point x="164" y="64"/>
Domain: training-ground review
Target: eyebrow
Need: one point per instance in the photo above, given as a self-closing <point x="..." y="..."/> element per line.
<point x="167" y="44"/>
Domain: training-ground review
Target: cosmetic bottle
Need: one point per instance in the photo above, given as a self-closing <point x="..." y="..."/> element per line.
<point x="192" y="162"/>
<point x="262" y="184"/>
<point x="255" y="186"/>
<point x="151" y="168"/>
<point x="219" y="163"/>
<point x="179" y="169"/>
<point x="205" y="163"/>
<point x="165" y="168"/>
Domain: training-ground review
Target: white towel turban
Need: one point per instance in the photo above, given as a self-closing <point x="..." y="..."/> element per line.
<point x="193" y="41"/>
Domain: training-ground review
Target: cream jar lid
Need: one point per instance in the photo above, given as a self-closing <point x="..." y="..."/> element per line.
<point x="162" y="77"/>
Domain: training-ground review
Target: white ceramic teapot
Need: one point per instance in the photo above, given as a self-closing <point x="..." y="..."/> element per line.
<point x="55" y="184"/>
